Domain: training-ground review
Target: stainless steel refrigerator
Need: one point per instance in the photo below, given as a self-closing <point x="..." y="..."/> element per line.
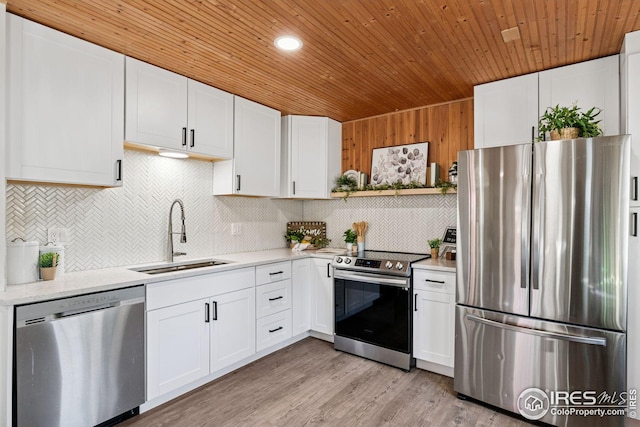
<point x="541" y="278"/>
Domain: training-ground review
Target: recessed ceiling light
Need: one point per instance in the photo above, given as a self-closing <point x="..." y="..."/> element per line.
<point x="288" y="43"/>
<point x="172" y="154"/>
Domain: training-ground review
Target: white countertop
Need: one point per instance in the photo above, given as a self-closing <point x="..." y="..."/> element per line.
<point x="83" y="282"/>
<point x="89" y="281"/>
<point x="435" y="264"/>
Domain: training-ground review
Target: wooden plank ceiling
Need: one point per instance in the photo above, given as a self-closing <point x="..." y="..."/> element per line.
<point x="360" y="58"/>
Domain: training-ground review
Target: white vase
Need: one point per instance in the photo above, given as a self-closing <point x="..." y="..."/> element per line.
<point x="349" y="247"/>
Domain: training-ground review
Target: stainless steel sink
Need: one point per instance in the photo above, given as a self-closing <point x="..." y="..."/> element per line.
<point x="180" y="267"/>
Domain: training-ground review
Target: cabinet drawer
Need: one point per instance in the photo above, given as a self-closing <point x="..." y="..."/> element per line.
<point x="273" y="329"/>
<point x="432" y="280"/>
<point x="273" y="272"/>
<point x="273" y="298"/>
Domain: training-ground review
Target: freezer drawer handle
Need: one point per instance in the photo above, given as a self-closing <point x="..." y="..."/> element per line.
<point x="545" y="334"/>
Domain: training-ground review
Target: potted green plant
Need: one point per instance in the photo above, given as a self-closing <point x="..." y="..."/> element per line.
<point x="350" y="237"/>
<point x="346" y="184"/>
<point x="434" y="244"/>
<point x="569" y="123"/>
<point x="294" y="236"/>
<point x="48" y="263"/>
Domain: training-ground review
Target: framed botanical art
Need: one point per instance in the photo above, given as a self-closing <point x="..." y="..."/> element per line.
<point x="400" y="164"/>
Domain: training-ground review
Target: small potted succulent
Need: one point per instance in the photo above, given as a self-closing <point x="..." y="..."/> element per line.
<point x="350" y="237"/>
<point x="434" y="244"/>
<point x="48" y="263"/>
<point x="293" y="237"/>
<point x="569" y="123"/>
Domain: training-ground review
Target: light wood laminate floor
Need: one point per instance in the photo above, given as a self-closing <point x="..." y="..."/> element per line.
<point x="309" y="383"/>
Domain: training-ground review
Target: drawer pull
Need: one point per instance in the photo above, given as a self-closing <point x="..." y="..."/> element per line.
<point x="277" y="272"/>
<point x="276" y="298"/>
<point x="276" y="329"/>
<point x="437" y="282"/>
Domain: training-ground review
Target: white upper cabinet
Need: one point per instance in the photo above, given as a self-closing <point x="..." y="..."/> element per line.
<point x="65" y="108"/>
<point x="506" y="112"/>
<point x="255" y="168"/>
<point x="167" y="110"/>
<point x="587" y="84"/>
<point x="311" y="156"/>
<point x="630" y="117"/>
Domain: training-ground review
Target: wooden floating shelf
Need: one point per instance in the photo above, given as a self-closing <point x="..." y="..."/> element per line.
<point x="403" y="192"/>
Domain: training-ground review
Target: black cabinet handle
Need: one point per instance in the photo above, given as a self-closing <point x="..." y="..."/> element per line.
<point x="237" y="182"/>
<point x="415" y="302"/>
<point x="215" y="310"/>
<point x="193" y="138"/>
<point x="329" y="269"/>
<point x="119" y="170"/>
<point x="634" y="188"/>
<point x="206" y="312"/>
<point x="634" y="224"/>
<point x="277" y="272"/>
<point x="440" y="282"/>
<point x="533" y="134"/>
<point x="294" y="187"/>
<point x="184" y="137"/>
<point x="276" y="298"/>
<point x="276" y="329"/>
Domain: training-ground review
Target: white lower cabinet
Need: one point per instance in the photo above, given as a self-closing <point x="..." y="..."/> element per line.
<point x="300" y="296"/>
<point x="321" y="280"/>
<point x="233" y="331"/>
<point x="273" y="308"/>
<point x="197" y="326"/>
<point x="433" y="317"/>
<point x="177" y="346"/>
<point x="273" y="329"/>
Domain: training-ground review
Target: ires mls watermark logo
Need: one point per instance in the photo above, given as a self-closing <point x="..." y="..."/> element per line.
<point x="534" y="403"/>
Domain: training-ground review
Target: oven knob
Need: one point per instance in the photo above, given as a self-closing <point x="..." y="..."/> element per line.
<point x="339" y="260"/>
<point x="347" y="260"/>
<point x="399" y="266"/>
<point x="389" y="265"/>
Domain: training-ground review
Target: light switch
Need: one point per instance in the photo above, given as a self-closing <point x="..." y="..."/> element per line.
<point x="236" y="229"/>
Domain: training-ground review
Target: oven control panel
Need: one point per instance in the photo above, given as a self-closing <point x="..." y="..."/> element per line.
<point x="366" y="264"/>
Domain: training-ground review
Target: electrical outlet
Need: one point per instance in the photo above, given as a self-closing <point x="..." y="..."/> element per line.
<point x="57" y="236"/>
<point x="236" y="229"/>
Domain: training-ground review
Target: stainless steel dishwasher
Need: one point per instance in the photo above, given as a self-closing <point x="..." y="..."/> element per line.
<point x="80" y="361"/>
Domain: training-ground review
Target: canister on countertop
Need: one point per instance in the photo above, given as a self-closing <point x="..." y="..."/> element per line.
<point x="22" y="261"/>
<point x="59" y="249"/>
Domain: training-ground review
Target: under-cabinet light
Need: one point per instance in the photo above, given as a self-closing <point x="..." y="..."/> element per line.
<point x="172" y="154"/>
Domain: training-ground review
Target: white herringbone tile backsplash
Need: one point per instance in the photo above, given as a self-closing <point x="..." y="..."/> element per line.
<point x="128" y="225"/>
<point x="402" y="223"/>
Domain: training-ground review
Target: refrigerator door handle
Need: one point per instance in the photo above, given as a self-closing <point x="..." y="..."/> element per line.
<point x="527" y="166"/>
<point x="538" y="226"/>
<point x="546" y="334"/>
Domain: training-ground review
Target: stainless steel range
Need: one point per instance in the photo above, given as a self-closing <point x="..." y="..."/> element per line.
<point x="373" y="306"/>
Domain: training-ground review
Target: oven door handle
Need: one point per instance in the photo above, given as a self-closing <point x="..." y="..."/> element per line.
<point x="375" y="279"/>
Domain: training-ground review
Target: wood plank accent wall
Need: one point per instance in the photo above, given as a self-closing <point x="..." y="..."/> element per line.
<point x="447" y="127"/>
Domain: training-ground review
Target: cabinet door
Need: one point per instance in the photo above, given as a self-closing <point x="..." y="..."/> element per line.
<point x="177" y="346"/>
<point x="309" y="140"/>
<point x="433" y="327"/>
<point x="156" y="106"/>
<point x="322" y="296"/>
<point x="210" y="116"/>
<point x="506" y="111"/>
<point x="256" y="149"/>
<point x="233" y="327"/>
<point x="65" y="107"/>
<point x="633" y="121"/>
<point x="586" y="84"/>
<point x="300" y="295"/>
<point x="633" y="320"/>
